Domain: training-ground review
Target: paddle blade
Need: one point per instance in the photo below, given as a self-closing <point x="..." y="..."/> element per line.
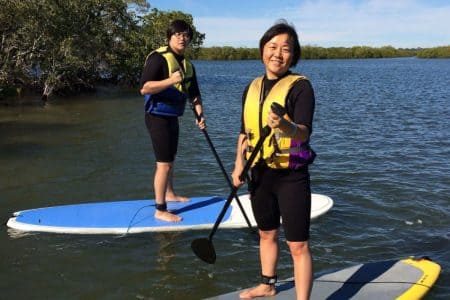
<point x="204" y="249"/>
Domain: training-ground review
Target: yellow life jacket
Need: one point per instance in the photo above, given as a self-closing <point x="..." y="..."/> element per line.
<point x="173" y="66"/>
<point x="279" y="151"/>
<point x="171" y="101"/>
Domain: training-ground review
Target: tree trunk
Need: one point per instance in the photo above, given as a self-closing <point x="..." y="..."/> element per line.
<point x="47" y="91"/>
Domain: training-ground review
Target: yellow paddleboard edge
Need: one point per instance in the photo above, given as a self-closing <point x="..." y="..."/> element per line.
<point x="430" y="273"/>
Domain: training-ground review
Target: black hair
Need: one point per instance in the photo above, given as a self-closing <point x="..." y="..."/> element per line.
<point x="279" y="28"/>
<point x="179" y="26"/>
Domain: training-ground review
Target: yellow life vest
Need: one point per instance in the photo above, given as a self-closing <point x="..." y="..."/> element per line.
<point x="173" y="66"/>
<point x="171" y="101"/>
<point x="278" y="149"/>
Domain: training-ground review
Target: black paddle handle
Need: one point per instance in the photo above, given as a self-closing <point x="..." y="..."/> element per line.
<point x="278" y="109"/>
<point x="265" y="132"/>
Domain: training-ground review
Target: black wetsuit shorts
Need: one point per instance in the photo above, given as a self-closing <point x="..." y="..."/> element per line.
<point x="285" y="194"/>
<point x="164" y="132"/>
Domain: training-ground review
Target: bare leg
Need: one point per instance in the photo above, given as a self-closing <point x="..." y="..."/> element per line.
<point x="170" y="193"/>
<point x="268" y="251"/>
<point x="160" y="185"/>
<point x="303" y="274"/>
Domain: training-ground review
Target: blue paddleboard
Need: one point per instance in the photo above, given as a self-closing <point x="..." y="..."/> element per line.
<point x="134" y="216"/>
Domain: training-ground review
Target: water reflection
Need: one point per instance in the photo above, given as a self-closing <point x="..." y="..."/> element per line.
<point x="166" y="249"/>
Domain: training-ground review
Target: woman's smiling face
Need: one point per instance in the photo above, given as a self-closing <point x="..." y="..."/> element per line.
<point x="277" y="55"/>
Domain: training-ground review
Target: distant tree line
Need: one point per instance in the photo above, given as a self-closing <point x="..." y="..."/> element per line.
<point x="227" y="53"/>
<point x="71" y="46"/>
<point x="311" y="52"/>
<point x="314" y="52"/>
<point x="437" y="52"/>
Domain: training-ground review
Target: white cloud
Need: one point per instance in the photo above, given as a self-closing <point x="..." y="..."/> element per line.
<point x="375" y="23"/>
<point x="402" y="23"/>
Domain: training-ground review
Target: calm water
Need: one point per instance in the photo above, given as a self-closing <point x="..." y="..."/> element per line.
<point x="381" y="132"/>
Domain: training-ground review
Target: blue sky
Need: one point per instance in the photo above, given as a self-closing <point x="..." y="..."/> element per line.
<point x="326" y="23"/>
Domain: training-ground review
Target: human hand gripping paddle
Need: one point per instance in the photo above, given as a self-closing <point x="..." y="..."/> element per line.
<point x="203" y="247"/>
<point x="216" y="155"/>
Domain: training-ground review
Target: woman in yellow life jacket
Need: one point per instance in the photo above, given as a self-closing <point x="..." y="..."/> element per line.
<point x="280" y="183"/>
<point x="167" y="82"/>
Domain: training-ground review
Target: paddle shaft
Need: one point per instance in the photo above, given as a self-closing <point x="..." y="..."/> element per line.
<point x="265" y="132"/>
<point x="222" y="168"/>
<point x="216" y="155"/>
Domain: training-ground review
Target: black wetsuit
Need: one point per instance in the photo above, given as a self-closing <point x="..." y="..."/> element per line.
<point x="164" y="130"/>
<point x="285" y="192"/>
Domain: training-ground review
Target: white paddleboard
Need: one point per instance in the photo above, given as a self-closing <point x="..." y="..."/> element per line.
<point x="135" y="216"/>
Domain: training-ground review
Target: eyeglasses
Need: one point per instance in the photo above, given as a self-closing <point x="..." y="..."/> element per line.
<point x="184" y="35"/>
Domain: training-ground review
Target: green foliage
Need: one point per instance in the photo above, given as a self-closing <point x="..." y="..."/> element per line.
<point x="61" y="46"/>
<point x="312" y="52"/>
<point x="437" y="52"/>
<point x="69" y="46"/>
<point x="154" y="26"/>
<point x="228" y="53"/>
<point x="308" y="52"/>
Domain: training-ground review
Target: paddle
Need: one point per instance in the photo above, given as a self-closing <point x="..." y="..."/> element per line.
<point x="203" y="247"/>
<point x="216" y="155"/>
<point x="219" y="162"/>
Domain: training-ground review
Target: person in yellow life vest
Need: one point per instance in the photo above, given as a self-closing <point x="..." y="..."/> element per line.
<point x="280" y="182"/>
<point x="168" y="81"/>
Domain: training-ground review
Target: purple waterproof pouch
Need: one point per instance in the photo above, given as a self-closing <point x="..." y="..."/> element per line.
<point x="300" y="155"/>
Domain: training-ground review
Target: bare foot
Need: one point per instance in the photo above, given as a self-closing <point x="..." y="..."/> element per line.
<point x="176" y="198"/>
<point x="262" y="290"/>
<point x="167" y="216"/>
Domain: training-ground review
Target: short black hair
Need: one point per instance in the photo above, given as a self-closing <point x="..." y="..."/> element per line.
<point x="279" y="28"/>
<point x="179" y="26"/>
